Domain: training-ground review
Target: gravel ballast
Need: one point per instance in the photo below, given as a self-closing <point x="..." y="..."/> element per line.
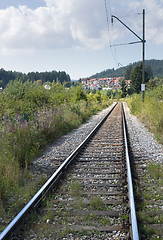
<point x="141" y="141"/>
<point x="63" y="147"/>
<point x="147" y="168"/>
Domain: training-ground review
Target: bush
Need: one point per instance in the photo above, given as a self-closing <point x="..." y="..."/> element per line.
<point x="31" y="117"/>
<point x="151" y="111"/>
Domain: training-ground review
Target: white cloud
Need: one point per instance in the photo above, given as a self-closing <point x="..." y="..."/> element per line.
<point x="154" y="20"/>
<point x="72" y="23"/>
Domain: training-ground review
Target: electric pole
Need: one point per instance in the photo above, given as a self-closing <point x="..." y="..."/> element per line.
<point x="142" y="40"/>
<point x="143" y="62"/>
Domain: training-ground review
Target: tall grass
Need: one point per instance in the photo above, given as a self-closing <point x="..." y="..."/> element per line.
<point x="23" y="138"/>
<point x="151" y="111"/>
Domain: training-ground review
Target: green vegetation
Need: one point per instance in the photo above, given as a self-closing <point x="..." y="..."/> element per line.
<point x="156" y="171"/>
<point x="150" y="197"/>
<point x="151" y="111"/>
<point x="97" y="203"/>
<point x="136" y="78"/>
<point x="156" y="67"/>
<point x="32" y="117"/>
<point x="75" y="189"/>
<point x="38" y="77"/>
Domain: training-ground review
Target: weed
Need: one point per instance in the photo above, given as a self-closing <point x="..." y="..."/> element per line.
<point x="38" y="118"/>
<point x="105" y="221"/>
<point x="150" y="112"/>
<point x="79" y="204"/>
<point x="75" y="189"/>
<point x="124" y="217"/>
<point x="97" y="204"/>
<point x="155" y="170"/>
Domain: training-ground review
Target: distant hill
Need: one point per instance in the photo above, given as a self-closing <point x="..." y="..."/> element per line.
<point x="155" y="65"/>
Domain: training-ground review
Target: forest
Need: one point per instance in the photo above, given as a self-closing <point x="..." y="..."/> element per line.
<point x="53" y="76"/>
<point x="155" y="66"/>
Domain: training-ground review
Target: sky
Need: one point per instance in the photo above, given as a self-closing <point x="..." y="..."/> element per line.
<point x="77" y="36"/>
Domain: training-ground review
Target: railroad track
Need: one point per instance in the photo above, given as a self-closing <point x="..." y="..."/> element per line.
<point x="94" y="197"/>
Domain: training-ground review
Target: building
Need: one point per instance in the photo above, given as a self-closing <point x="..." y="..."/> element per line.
<point x="105" y="83"/>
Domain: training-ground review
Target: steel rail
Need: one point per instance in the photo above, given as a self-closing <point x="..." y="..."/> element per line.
<point x="49" y="184"/>
<point x="134" y="227"/>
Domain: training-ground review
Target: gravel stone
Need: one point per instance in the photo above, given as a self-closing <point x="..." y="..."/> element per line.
<point x="142" y="140"/>
<point x="63" y="147"/>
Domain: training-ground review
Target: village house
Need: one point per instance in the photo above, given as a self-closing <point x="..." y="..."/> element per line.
<point x="95" y="86"/>
<point x="105" y="83"/>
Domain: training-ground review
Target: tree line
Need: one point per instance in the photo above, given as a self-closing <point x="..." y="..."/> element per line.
<point x="53" y="76"/>
<point x="155" y="66"/>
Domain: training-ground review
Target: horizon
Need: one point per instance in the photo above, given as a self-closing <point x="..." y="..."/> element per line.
<point x="86" y="76"/>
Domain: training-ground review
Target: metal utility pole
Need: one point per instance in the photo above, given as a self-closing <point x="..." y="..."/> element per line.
<point x="143" y="64"/>
<point x="142" y="40"/>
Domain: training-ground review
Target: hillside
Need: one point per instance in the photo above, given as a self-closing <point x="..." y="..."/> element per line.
<point x="155" y="65"/>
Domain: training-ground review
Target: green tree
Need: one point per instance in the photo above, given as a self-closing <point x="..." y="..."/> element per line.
<point x="151" y="84"/>
<point x="97" y="96"/>
<point x="136" y="78"/>
<point x="109" y="93"/>
<point x="128" y="72"/>
<point x="123" y="88"/>
<point x="16" y="89"/>
<point x="79" y="94"/>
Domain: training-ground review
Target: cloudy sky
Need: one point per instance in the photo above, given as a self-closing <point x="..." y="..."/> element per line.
<point x="75" y="35"/>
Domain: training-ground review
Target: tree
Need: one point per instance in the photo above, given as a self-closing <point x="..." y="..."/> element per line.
<point x="79" y="94"/>
<point x="151" y="84"/>
<point x="123" y="88"/>
<point x="136" y="78"/>
<point x="97" y="96"/>
<point x="128" y="72"/>
<point x="109" y="93"/>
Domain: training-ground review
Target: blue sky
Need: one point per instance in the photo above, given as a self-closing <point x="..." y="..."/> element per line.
<point x="74" y="35"/>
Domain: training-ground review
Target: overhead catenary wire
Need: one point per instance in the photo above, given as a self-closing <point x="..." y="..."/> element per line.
<point x="112" y="44"/>
<point x="114" y="53"/>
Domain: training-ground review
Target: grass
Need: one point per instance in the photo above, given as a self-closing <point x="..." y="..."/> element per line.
<point x="151" y="200"/>
<point x="39" y="118"/>
<point x="75" y="189"/>
<point x="18" y="196"/>
<point x="22" y="140"/>
<point x="149" y="112"/>
<point x="124" y="218"/>
<point x="97" y="203"/>
<point x="156" y="171"/>
<point x="105" y="221"/>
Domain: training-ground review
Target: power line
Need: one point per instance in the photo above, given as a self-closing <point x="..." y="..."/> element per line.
<point x="114" y="53"/>
<point x="107" y="19"/>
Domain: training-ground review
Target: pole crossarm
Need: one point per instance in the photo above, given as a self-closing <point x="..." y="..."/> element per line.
<point x="121" y="44"/>
<point x="112" y="16"/>
<point x="142" y="40"/>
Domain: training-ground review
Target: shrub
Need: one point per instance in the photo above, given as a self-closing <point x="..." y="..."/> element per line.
<point x="151" y="111"/>
<point x="31" y="117"/>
